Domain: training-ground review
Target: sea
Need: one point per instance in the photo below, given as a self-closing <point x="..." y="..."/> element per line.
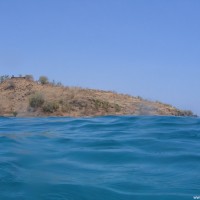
<point x="100" y="158"/>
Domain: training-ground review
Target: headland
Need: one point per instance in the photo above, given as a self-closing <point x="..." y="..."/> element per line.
<point x="24" y="97"/>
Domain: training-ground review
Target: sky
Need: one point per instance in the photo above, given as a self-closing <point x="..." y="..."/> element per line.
<point x="138" y="47"/>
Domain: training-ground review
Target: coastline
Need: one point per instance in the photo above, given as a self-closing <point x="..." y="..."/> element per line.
<point x="27" y="98"/>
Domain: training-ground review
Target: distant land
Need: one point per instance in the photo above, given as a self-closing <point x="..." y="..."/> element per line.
<point x="22" y="96"/>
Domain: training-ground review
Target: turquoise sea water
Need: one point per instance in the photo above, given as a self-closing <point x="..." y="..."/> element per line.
<point x="102" y="158"/>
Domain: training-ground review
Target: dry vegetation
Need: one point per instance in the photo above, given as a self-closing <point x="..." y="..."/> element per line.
<point x="22" y="96"/>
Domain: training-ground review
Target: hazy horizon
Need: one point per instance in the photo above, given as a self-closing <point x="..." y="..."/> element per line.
<point x="142" y="48"/>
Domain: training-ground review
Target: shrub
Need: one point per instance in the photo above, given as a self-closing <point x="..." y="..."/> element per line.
<point x="59" y="84"/>
<point x="97" y="104"/>
<point x="56" y="84"/>
<point x="15" y="114"/>
<point x="43" y="80"/>
<point x="36" y="100"/>
<point x="105" y="105"/>
<point x="29" y="77"/>
<point x="101" y="104"/>
<point x="50" y="107"/>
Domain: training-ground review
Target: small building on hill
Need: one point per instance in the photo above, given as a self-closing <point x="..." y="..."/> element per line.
<point x="18" y="77"/>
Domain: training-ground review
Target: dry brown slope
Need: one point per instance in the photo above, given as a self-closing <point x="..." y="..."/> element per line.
<point x="15" y="97"/>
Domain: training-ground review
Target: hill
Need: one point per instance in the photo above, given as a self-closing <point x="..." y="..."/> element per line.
<point x="24" y="97"/>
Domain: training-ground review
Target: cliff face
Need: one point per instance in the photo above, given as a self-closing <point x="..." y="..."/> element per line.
<point x="23" y="97"/>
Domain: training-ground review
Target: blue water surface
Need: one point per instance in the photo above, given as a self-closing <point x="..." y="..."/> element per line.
<point x="101" y="158"/>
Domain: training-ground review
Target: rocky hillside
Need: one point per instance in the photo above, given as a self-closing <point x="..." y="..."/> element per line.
<point x="24" y="97"/>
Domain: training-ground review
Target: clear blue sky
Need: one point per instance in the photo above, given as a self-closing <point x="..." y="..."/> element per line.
<point x="149" y="48"/>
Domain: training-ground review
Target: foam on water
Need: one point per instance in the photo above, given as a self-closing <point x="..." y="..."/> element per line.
<point x="102" y="158"/>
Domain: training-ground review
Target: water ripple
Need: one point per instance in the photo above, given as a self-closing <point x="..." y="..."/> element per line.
<point x="113" y="158"/>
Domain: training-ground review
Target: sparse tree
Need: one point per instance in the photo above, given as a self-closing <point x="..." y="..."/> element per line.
<point x="43" y="80"/>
